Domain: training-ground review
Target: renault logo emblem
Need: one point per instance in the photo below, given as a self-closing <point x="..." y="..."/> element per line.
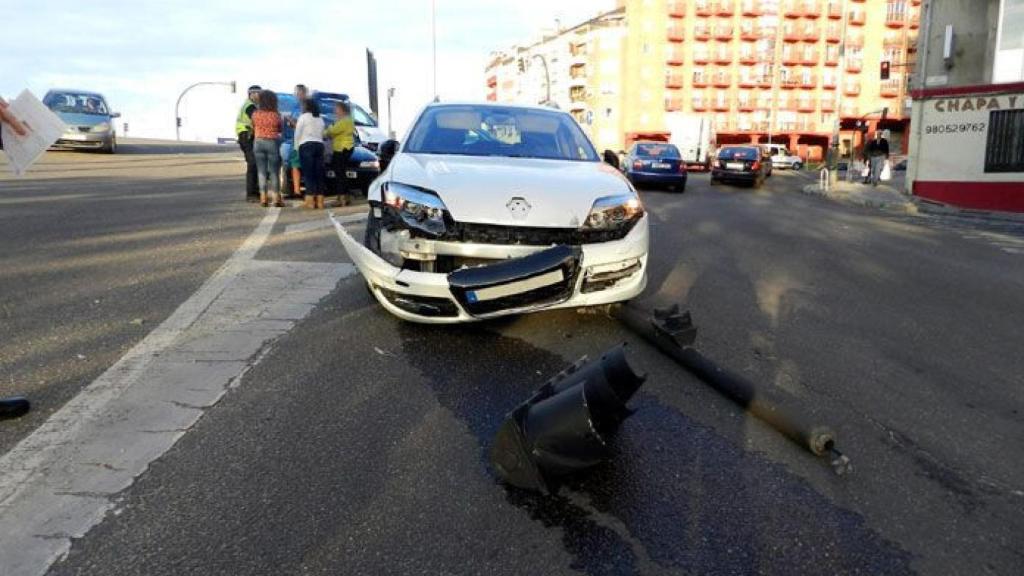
<point x="519" y="207"/>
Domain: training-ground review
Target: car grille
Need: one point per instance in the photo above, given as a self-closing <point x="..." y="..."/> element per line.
<point x="532" y="236"/>
<point x="466" y="282"/>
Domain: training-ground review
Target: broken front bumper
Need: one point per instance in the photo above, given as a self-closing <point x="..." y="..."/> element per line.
<point x="561" y="276"/>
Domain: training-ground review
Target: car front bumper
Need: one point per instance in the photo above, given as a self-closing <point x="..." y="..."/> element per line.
<point x="84" y="140"/>
<point x="534" y="278"/>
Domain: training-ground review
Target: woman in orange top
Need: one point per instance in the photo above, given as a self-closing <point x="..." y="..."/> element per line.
<point x="266" y="124"/>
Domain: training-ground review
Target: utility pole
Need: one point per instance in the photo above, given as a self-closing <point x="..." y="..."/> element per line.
<point x="776" y="51"/>
<point x="177" y="115"/>
<point x="833" y="163"/>
<point x="391" y="94"/>
<point x="433" y="37"/>
<point x="547" y="77"/>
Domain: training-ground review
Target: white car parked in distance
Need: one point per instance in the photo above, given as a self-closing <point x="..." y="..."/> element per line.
<point x="489" y="209"/>
<point x="782" y="157"/>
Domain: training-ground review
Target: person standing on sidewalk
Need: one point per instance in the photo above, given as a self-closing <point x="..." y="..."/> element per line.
<point x="244" y="134"/>
<point x="266" y="124"/>
<point x="309" y="142"/>
<point x="290" y="153"/>
<point x="877" y="153"/>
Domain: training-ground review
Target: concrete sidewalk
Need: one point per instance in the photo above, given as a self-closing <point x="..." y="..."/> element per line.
<point x="884" y="196"/>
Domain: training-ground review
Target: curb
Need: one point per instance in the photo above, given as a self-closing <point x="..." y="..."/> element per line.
<point x="905" y="207"/>
<point x="940" y="209"/>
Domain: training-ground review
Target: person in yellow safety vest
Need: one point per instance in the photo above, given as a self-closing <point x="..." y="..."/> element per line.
<point x="243" y="131"/>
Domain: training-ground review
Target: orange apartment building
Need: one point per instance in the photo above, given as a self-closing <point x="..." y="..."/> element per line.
<point x="761" y="69"/>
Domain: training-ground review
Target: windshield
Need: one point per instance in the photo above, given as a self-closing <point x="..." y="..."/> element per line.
<point x="362" y="117"/>
<point x="738" y="154"/>
<point x="657" y="151"/>
<point x="75" y="103"/>
<point x="468" y="130"/>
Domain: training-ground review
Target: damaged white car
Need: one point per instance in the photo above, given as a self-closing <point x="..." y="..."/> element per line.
<point x="487" y="210"/>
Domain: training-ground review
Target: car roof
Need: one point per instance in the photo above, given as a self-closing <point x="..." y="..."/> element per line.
<point x="496" y="105"/>
<point x="75" y="91"/>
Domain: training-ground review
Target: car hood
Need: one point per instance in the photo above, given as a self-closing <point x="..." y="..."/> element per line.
<point x="76" y="119"/>
<point x="559" y="193"/>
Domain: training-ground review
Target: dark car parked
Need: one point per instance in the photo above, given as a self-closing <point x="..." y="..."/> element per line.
<point x="745" y="164"/>
<point x="655" y="164"/>
<point x="363" y="165"/>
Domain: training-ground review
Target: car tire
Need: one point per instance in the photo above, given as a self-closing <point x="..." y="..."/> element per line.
<point x="797" y="166"/>
<point x="112" y="147"/>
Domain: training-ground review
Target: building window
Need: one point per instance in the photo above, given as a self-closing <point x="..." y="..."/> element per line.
<point x="1009" y="61"/>
<point x="1004" y="151"/>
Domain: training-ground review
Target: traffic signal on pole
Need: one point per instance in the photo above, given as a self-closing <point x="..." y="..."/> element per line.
<point x="564" y="427"/>
<point x="886" y="66"/>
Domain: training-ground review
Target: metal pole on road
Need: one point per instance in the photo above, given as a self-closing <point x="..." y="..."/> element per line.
<point x="433" y="39"/>
<point x="177" y="105"/>
<point x="391" y="94"/>
<point x="547" y="77"/>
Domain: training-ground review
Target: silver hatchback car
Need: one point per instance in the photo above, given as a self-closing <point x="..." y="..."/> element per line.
<point x="89" y="123"/>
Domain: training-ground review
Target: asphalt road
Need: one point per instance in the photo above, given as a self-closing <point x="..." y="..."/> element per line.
<point x="358" y="443"/>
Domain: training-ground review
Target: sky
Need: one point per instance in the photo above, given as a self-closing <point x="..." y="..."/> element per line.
<point x="141" y="54"/>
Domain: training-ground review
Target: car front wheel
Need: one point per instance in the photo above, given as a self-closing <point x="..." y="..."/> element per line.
<point x="797" y="166"/>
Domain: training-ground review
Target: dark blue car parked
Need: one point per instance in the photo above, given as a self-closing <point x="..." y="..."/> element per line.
<point x="655" y="164"/>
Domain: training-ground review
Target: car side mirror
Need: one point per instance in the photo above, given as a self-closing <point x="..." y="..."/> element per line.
<point x="387" y="152"/>
<point x="611" y="158"/>
<point x="115" y="114"/>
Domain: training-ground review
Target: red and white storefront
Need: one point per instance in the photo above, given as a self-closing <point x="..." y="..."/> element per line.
<point x="967" y="147"/>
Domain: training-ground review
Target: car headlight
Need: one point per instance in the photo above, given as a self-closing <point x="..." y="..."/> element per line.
<point x="370" y="164"/>
<point x="103" y="127"/>
<point x="613" y="211"/>
<point x="418" y="209"/>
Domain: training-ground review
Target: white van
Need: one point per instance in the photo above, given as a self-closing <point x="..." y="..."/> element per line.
<point x="782" y="157"/>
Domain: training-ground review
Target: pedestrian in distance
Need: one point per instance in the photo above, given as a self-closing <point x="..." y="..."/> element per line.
<point x="244" y="135"/>
<point x="309" y="134"/>
<point x="290" y="153"/>
<point x="877" y="153"/>
<point x="266" y="122"/>
<point x="343" y="140"/>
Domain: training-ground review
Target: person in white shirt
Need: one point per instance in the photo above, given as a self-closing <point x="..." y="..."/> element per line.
<point x="309" y="142"/>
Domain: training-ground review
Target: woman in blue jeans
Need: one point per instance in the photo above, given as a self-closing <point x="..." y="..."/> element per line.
<point x="266" y="123"/>
<point x="309" y="142"/>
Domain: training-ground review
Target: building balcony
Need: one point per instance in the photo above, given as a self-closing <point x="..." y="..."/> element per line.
<point x="677" y="9"/>
<point x="892" y="40"/>
<point x="704" y="7"/>
<point x="724" y="7"/>
<point x="702" y="32"/>
<point x="675" y="33"/>
<point x="914" y="17"/>
<point x="751" y="7"/>
<point x="792" y="8"/>
<point x="835" y="9"/>
<point x="722" y="80"/>
<point x="809" y="81"/>
<point x="701" y="57"/>
<point x="806" y="105"/>
<point x="895" y="19"/>
<point x="700" y="81"/>
<point x="857" y="17"/>
<point x="852" y="89"/>
<point x="577" y="106"/>
<point x="764" y="81"/>
<point x="673" y="81"/>
<point x="577" y="82"/>
<point x="811" y="33"/>
<point x="745" y="106"/>
<point x="789" y="83"/>
<point x="811" y="57"/>
<point x="850" y="110"/>
<point x="723" y="57"/>
<point x="831" y="60"/>
<point x="748" y="57"/>
<point x="854" y="65"/>
<point x="699" y="103"/>
<point x="673" y="104"/>
<point x="828" y="81"/>
<point x="890" y="88"/>
<point x="791" y="33"/>
<point x="750" y="32"/>
<point x="492" y="82"/>
<point x="790" y="57"/>
<point x="833" y="35"/>
<point x="828" y="104"/>
<point x="912" y="40"/>
<point x="723" y="32"/>
<point x="722" y="105"/>
<point x="747" y="81"/>
<point x="676" y="57"/>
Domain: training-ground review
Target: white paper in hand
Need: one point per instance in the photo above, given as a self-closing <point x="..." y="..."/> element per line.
<point x="44" y="128"/>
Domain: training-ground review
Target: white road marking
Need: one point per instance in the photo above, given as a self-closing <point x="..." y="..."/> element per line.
<point x="59" y="482"/>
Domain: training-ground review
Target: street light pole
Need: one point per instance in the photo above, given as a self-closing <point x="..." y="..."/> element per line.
<point x="833" y="164"/>
<point x="177" y="105"/>
<point x="547" y="77"/>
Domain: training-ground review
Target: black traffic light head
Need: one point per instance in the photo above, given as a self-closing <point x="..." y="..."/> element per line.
<point x="564" y="427"/>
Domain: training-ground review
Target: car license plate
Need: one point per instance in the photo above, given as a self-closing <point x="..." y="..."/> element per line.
<point x="74" y="136"/>
<point x="661" y="166"/>
<point x="513" y="288"/>
<point x="351" y="174"/>
<point x="734" y="165"/>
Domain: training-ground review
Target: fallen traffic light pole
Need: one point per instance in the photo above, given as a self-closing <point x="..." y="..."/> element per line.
<point x="565" y="425"/>
<point x="673" y="332"/>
